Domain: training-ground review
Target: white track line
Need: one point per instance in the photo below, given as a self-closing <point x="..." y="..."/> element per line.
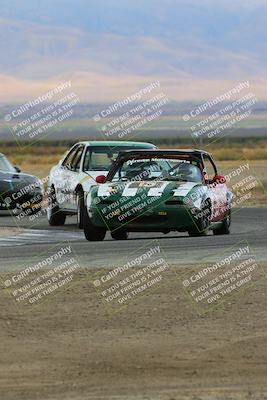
<point x="39" y="236"/>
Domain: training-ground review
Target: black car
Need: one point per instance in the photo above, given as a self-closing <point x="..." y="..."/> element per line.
<point x="19" y="192"/>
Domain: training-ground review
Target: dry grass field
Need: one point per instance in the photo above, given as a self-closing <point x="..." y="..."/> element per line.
<point x="38" y="160"/>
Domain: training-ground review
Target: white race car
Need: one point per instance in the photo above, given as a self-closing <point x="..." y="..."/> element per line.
<point x="75" y="174"/>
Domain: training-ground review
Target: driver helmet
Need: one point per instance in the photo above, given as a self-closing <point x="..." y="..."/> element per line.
<point x="188" y="171"/>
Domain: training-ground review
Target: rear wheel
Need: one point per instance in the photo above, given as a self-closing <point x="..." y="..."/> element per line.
<point x="91" y="232"/>
<point x="119" y="235"/>
<point x="225" y="227"/>
<point x="54" y="215"/>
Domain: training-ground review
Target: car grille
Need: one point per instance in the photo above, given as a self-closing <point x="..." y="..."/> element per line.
<point x="174" y="202"/>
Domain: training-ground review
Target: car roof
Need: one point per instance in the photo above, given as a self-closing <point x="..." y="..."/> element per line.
<point x="115" y="143"/>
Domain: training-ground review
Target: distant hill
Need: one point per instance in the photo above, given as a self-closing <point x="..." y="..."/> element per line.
<point x="110" y="47"/>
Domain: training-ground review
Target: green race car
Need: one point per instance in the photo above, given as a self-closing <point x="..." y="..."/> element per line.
<point x="159" y="191"/>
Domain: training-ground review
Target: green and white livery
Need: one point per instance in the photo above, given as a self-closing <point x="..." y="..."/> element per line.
<point x="159" y="191"/>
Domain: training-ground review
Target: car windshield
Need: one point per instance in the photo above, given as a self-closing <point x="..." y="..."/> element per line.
<point x="5" y="165"/>
<point x="101" y="158"/>
<point x="167" y="169"/>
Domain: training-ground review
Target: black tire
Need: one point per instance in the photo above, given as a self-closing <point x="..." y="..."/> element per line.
<point x="54" y="215"/>
<point x="92" y="233"/>
<point x="225" y="227"/>
<point x="80" y="209"/>
<point x="201" y="227"/>
<point x="119" y="235"/>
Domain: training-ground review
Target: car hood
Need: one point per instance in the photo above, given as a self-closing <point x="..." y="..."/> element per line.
<point x="15" y="181"/>
<point x="150" y="188"/>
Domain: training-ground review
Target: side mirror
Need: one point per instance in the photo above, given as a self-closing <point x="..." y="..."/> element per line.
<point x="100" y="179"/>
<point x="17" y="169"/>
<point x="219" y="179"/>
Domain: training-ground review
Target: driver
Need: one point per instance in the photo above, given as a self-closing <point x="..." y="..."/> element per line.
<point x="189" y="172"/>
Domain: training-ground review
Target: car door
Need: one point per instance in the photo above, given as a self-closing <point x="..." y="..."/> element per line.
<point x="72" y="178"/>
<point x="60" y="175"/>
<point x="217" y="189"/>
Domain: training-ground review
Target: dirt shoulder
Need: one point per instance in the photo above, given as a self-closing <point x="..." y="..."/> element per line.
<point x="158" y="347"/>
<point x="10" y="231"/>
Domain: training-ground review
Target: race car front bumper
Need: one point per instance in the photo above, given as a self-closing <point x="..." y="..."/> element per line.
<point x="170" y="216"/>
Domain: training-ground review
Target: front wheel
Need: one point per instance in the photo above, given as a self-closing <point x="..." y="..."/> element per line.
<point x="91" y="232"/>
<point x="225" y="227"/>
<point x="119" y="235"/>
<point x="201" y="226"/>
<point x="54" y="215"/>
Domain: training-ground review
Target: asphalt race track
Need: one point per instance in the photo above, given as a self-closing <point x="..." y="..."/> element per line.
<point x="247" y="225"/>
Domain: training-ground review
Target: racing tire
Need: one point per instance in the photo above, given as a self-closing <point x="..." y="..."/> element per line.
<point x="119" y="235"/>
<point x="80" y="209"/>
<point x="225" y="227"/>
<point x="201" y="228"/>
<point x="54" y="215"/>
<point x="92" y="233"/>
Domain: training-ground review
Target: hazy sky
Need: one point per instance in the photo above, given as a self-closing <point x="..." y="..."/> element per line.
<point x="187" y="44"/>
